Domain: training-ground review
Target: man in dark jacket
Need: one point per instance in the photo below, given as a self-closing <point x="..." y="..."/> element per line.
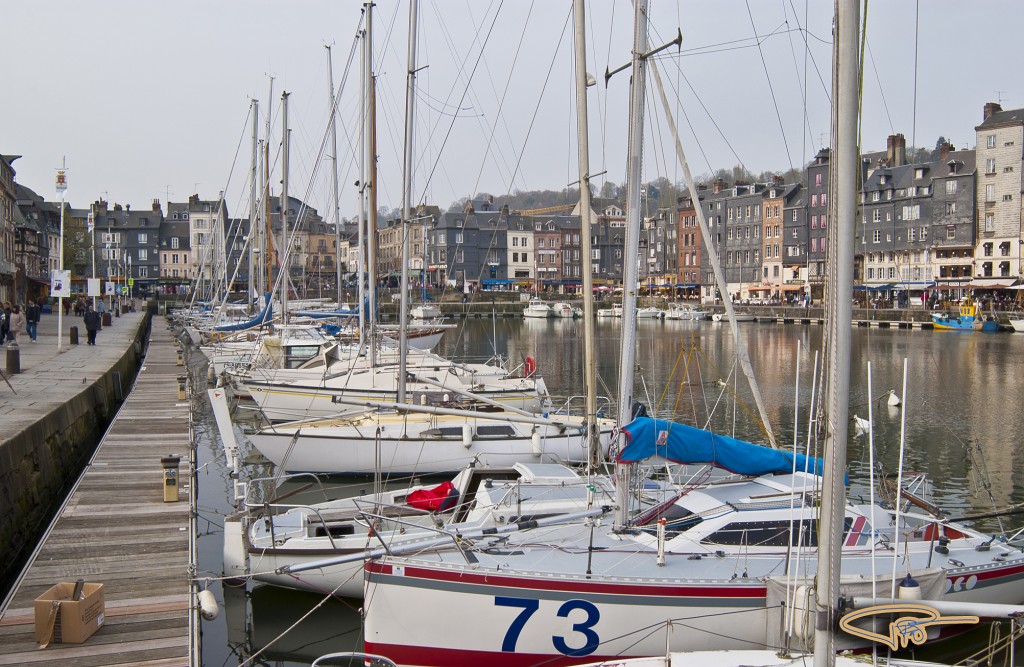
<point x="92" y="323"/>
<point x="32" y="319"/>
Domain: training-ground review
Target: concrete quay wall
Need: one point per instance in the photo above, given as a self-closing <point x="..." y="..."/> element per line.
<point x="51" y="426"/>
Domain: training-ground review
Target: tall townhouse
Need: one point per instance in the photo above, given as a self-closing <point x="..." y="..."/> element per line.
<point x="607" y="245"/>
<point x="775" y="197"/>
<point x="175" y="250"/>
<point x="1000" y="142"/>
<point x="954" y="223"/>
<point x="817" y="221"/>
<point x="520" y="257"/>
<point x="7" y="207"/>
<point x="547" y="237"/>
<point x="715" y="211"/>
<point x="737" y="236"/>
<point x="689" y="246"/>
<point x="128" y="246"/>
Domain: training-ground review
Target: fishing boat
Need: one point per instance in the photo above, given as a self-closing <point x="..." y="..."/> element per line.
<point x="740" y="317"/>
<point x="685" y="312"/>
<point x="564" y="310"/>
<point x="969" y="318"/>
<point x="425" y="311"/>
<point x="650" y="313"/>
<point x="537" y="309"/>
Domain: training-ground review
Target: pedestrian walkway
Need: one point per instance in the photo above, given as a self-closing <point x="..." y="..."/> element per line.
<point x="48" y="379"/>
<point x="115" y="528"/>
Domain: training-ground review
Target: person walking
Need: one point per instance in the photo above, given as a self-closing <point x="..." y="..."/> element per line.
<point x="92" y="323"/>
<point x="17" y="323"/>
<point x="32" y="314"/>
<point x="5" y="322"/>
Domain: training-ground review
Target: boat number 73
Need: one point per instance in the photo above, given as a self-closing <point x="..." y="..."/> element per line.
<point x="529" y="607"/>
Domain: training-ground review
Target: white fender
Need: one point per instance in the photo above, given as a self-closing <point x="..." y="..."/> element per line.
<point x="467" y="435"/>
<point x="535" y="442"/>
<point x="208" y="606"/>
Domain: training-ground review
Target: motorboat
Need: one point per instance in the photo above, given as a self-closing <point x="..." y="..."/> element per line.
<point x="538" y="309"/>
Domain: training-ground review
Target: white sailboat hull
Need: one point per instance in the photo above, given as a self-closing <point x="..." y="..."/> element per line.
<point x="356" y="448"/>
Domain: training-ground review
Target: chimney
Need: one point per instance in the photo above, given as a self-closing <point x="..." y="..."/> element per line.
<point x="896" y="150"/>
<point x="156" y="205"/>
<point x="717" y="186"/>
<point x="117" y="207"/>
<point x="991" y="108"/>
<point x="194" y="199"/>
<point x="504" y="210"/>
<point x="945" y="149"/>
<point x="468" y="208"/>
<point x="778" y="179"/>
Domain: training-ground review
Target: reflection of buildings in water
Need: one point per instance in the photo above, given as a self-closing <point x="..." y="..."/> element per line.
<point x="260" y="621"/>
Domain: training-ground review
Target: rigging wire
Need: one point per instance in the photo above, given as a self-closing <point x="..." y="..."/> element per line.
<point x="802" y="84"/>
<point x="771" y="88"/>
<point x="917" y="32"/>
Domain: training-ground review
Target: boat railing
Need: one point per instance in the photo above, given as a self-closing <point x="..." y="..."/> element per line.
<point x="605" y="406"/>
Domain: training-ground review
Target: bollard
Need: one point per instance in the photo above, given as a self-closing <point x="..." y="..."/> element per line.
<point x="13" y="359"/>
<point x="182" y="394"/>
<point x="170" y="464"/>
<point x="180" y="361"/>
<point x="74" y="335"/>
<point x="107" y="320"/>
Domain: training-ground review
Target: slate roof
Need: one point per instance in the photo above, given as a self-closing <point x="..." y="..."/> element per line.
<point x="999" y="118"/>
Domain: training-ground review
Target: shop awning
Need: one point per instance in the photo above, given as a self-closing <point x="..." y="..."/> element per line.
<point x="791" y="288"/>
<point x="497" y="281"/>
<point x="873" y="288"/>
<point x="992" y="283"/>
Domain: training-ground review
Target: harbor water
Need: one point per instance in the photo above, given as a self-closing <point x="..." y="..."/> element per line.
<point x="961" y="423"/>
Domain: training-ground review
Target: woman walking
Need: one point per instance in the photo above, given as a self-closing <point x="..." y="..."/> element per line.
<point x="17" y="323"/>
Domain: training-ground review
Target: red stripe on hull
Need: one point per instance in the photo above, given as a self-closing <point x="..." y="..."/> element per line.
<point x="423" y="656"/>
<point x="575" y="585"/>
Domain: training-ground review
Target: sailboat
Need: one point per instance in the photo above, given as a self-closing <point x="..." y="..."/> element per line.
<point x="713" y="569"/>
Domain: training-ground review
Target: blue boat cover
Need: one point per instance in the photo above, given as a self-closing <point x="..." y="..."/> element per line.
<point x="265" y="316"/>
<point x="649" y="437"/>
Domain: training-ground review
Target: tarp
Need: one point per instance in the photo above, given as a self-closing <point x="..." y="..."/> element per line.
<point x="685" y="444"/>
<point x="441" y="498"/>
<point x="265" y="316"/>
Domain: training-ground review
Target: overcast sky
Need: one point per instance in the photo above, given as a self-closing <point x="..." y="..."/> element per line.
<point x="151" y="99"/>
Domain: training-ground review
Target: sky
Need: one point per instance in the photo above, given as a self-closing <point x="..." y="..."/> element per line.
<point x="151" y="100"/>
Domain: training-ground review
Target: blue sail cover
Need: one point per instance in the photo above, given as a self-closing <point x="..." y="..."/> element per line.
<point x="265" y="316"/>
<point x="685" y="444"/>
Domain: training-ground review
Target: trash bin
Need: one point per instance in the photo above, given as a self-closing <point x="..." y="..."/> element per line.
<point x="182" y="389"/>
<point x="13" y="359"/>
<point x="74" y="335"/>
<point x="170" y="464"/>
<point x="107" y="319"/>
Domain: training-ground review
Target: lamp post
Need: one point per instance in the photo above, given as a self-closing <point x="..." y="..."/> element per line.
<point x="62" y="186"/>
<point x="91" y="227"/>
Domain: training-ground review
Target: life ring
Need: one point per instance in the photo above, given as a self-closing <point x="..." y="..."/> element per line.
<point x="530" y="367"/>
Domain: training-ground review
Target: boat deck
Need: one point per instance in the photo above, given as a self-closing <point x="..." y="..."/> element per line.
<point x="115" y="529"/>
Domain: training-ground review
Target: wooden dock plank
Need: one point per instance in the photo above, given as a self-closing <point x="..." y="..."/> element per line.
<point x="116" y="530"/>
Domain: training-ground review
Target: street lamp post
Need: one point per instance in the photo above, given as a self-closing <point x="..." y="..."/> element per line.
<point x="62" y="186"/>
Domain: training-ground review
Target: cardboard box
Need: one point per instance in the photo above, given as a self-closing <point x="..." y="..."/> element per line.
<point x="72" y="621"/>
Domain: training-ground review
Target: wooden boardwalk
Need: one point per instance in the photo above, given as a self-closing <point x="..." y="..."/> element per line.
<point x="115" y="529"/>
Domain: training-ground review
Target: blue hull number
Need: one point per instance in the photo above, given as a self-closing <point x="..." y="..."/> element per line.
<point x="582" y="628"/>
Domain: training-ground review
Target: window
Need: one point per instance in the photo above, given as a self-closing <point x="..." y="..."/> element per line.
<point x="459" y="256"/>
<point x="817" y="179"/>
<point x="814" y="222"/>
<point x="911" y="234"/>
<point x="540" y="243"/>
<point x="923" y="234"/>
<point x="876" y="236"/>
<point x="794" y="215"/>
<point x="174" y="258"/>
<point x="824" y="199"/>
<point x="990" y="141"/>
<point x="814" y="244"/>
<point x="892" y="272"/>
<point x="143" y="271"/>
<point x="1004" y="249"/>
<point x="990" y="192"/>
<point x="950" y="232"/>
<point x="876" y="196"/>
<point x="1007" y="170"/>
<point x="912" y="212"/>
<point x="143" y="237"/>
<point x="458" y="238"/>
<point x="951" y="208"/>
<point x="1007" y="197"/>
<point x="876" y="215"/>
<point x="143" y="254"/>
<point x="990" y="166"/>
<point x="200" y="239"/>
<point x="200" y="223"/>
<point x="986" y="249"/>
<point x="990" y="222"/>
<point x="515" y="241"/>
<point x="824" y="218"/>
<point x="814" y="200"/>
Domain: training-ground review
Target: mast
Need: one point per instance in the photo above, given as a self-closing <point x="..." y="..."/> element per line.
<point x="283" y="253"/>
<point x="267" y="232"/>
<point x="334" y="174"/>
<point x="361" y="227"/>
<point x="583" y="142"/>
<point x="845" y="105"/>
<point x="634" y="164"/>
<point x="371" y="178"/>
<point x="406" y="214"/>
<point x="253" y="203"/>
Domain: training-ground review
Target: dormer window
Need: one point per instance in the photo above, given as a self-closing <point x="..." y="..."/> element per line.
<point x="883" y="179"/>
<point x="174" y="217"/>
<point x="184" y="216"/>
<point x="919" y="173"/>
